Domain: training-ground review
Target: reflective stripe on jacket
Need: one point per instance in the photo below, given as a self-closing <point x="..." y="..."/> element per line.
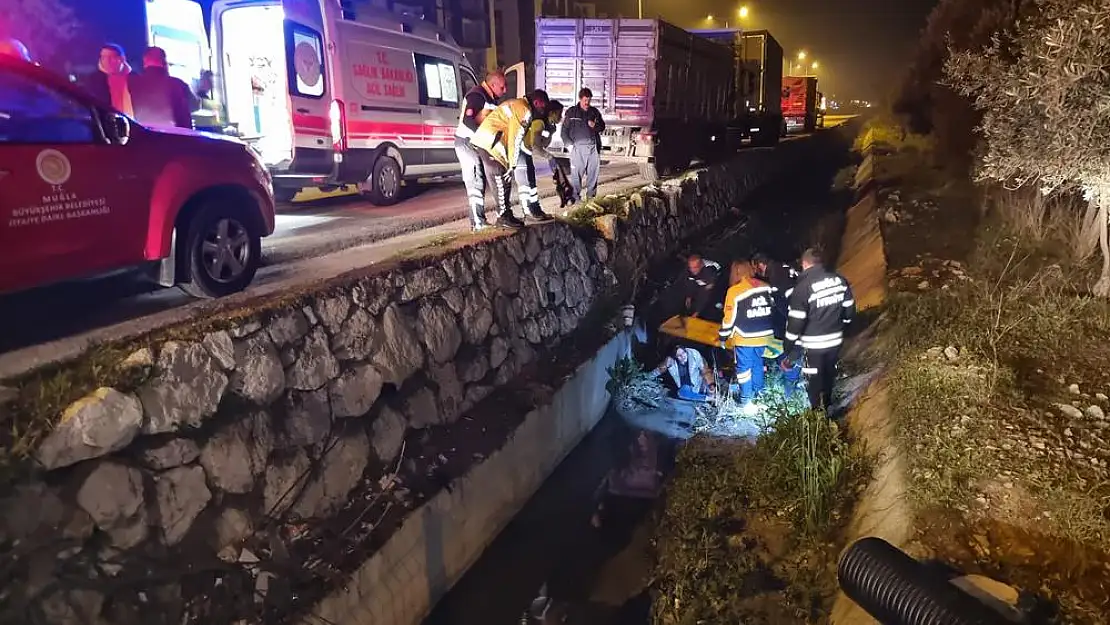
<point x="821" y="306"/>
<point x="503" y="131"/>
<point x="748" y="309"/>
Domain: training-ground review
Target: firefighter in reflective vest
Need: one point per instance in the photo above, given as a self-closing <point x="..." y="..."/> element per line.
<point x="500" y="140"/>
<point x="477" y="103"/>
<point x="747" y="329"/>
<point x="821" y="306"/>
<point x="536" y="142"/>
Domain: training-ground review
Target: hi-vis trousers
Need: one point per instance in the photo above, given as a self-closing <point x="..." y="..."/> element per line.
<point x="473" y="175"/>
<point x="498" y="178"/>
<point x="526" y="189"/>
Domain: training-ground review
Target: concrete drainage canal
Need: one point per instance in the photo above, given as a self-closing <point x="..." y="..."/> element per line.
<point x="586" y="550"/>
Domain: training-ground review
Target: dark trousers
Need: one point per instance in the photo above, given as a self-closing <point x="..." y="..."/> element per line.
<point x="497" y="180"/>
<point x="819" y="367"/>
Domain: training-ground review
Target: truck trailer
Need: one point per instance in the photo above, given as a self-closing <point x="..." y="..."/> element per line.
<point x="800" y="103"/>
<point x="757" y="84"/>
<point x="666" y="94"/>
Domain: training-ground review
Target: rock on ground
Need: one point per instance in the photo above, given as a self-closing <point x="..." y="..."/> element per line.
<point x="339" y="473"/>
<point x="182" y="495"/>
<point x="172" y="453"/>
<point x="387" y="434"/>
<point x="353" y="393"/>
<point x="111" y="494"/>
<point x="187" y="391"/>
<point x="398" y="354"/>
<point x="259" y="377"/>
<point x="315" y="365"/>
<point x="98" y="424"/>
<point x="237" y="453"/>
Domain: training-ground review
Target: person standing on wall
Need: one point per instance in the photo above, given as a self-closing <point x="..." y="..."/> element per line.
<point x="160" y="100"/>
<point x="536" y="139"/>
<point x="478" y="102"/>
<point x="821" y="306"/>
<point x="582" y="128"/>
<point x="499" y="140"/>
<point x="747" y="329"/>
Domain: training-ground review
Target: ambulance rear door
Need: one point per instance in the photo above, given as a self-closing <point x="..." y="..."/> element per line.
<point x="310" y="89"/>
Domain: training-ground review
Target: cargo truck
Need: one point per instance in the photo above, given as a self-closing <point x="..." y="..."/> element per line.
<point x="757" y="84"/>
<point x="799" y="103"/>
<point x="665" y="94"/>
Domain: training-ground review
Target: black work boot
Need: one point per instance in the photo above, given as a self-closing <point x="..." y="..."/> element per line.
<point x="508" y="220"/>
<point x="536" y="213"/>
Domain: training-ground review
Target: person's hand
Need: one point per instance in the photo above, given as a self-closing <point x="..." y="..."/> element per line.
<point x="786" y="364"/>
<point x="591" y="123"/>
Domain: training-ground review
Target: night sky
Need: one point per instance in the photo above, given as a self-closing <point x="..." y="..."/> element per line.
<point x="861" y="45"/>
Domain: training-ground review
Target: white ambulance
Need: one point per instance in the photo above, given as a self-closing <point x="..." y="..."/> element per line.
<point x="327" y="98"/>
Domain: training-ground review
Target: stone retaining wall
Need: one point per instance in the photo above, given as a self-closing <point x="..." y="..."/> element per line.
<point x="183" y="488"/>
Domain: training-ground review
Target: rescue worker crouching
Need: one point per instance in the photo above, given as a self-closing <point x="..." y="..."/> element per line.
<point x="478" y="102"/>
<point x="821" y="306"/>
<point x="500" y="140"/>
<point x="747" y="329"/>
<point x="536" y="140"/>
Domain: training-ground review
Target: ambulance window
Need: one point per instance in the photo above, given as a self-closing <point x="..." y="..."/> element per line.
<point x="305" y="53"/>
<point x="438" y="83"/>
<point x="33" y="113"/>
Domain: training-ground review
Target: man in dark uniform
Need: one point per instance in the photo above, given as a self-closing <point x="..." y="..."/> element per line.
<point x="477" y="103"/>
<point x="781" y="277"/>
<point x="821" y="306"/>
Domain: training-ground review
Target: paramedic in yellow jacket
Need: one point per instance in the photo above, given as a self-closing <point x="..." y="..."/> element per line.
<point x="748" y="328"/>
<point x="503" y="141"/>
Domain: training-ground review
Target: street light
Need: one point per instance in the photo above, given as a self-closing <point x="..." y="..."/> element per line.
<point x="743" y="12"/>
<point x="802" y="55"/>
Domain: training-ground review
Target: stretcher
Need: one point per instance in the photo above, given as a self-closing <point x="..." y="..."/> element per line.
<point x="707" y="333"/>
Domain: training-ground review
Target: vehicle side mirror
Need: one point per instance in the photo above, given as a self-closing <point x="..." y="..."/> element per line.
<point x="122" y="127"/>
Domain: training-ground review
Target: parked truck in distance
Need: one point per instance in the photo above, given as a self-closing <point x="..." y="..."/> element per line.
<point x="800" y="103"/>
<point x="665" y="93"/>
<point x="756" y="85"/>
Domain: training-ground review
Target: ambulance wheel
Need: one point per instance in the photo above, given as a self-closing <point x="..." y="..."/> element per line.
<point x="223" y="250"/>
<point x="385" y="182"/>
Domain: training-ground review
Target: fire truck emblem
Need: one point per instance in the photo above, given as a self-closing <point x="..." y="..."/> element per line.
<point x="53" y="167"/>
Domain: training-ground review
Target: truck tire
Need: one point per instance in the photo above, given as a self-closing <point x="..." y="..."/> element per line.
<point x="649" y="172"/>
<point x="385" y="182"/>
<point x="223" y="250"/>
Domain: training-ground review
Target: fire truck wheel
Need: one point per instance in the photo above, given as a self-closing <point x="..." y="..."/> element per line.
<point x="385" y="182"/>
<point x="223" y="250"/>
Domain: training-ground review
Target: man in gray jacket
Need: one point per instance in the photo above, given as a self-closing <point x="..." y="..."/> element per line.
<point x="582" y="128"/>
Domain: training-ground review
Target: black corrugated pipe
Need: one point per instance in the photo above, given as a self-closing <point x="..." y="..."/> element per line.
<point x="895" y="589"/>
